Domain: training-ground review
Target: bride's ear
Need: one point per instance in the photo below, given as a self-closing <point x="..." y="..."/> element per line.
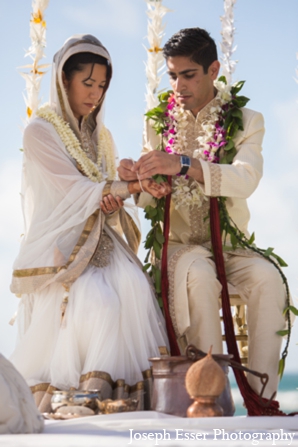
<point x="64" y="80"/>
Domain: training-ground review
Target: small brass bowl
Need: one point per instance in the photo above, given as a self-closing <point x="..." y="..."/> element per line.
<point x="109" y="406"/>
<point x="72" y="398"/>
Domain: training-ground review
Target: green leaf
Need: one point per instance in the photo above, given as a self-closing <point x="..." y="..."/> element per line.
<point x="229" y="145"/>
<point x="283" y="333"/>
<point x="240" y="101"/>
<point x="164" y="96"/>
<point x="224" y="160"/>
<point x="234" y="240"/>
<point x="160" y="214"/>
<point x="236" y="88"/>
<point x="226" y="248"/>
<point x="160" y="178"/>
<point x="281" y="367"/>
<point x="160" y="303"/>
<point x="157" y="280"/>
<point x="149" y="242"/>
<point x="147" y="256"/>
<point x="228" y="157"/>
<point x="281" y="262"/>
<point x="268" y="252"/>
<point x="232" y="129"/>
<point x="160" y="238"/>
<point x="146" y="267"/>
<point x="292" y="309"/>
<point x="223" y="79"/>
<point x="251" y="239"/>
<point x="152" y="212"/>
<point x="237" y="113"/>
<point x="157" y="249"/>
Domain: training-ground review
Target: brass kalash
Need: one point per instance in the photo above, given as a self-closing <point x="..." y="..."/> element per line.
<point x="208" y="386"/>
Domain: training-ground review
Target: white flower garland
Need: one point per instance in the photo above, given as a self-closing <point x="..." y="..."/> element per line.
<point x="105" y="148"/>
<point x="210" y="140"/>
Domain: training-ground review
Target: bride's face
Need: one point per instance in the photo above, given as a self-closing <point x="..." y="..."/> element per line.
<point x="85" y="88"/>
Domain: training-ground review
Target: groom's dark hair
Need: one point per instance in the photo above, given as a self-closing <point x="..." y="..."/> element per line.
<point x="195" y="43"/>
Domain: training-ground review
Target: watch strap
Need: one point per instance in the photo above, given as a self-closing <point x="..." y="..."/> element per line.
<point x="185" y="164"/>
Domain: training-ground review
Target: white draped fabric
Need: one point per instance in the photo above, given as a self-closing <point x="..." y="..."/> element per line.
<point x="112" y="323"/>
<point x="18" y="412"/>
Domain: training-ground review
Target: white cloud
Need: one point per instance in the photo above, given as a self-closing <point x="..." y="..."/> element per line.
<point x="110" y="16"/>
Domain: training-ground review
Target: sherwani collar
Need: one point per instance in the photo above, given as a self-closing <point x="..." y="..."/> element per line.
<point x="204" y="112"/>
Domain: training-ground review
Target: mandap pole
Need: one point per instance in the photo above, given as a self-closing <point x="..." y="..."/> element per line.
<point x="227" y="33"/>
<point x="35" y="52"/>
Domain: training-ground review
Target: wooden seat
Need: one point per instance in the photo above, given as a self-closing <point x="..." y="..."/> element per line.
<point x="240" y="323"/>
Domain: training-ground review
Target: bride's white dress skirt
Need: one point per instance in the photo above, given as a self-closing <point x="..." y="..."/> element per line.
<point x="112" y="326"/>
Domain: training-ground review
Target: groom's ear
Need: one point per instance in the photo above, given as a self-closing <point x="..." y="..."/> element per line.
<point x="213" y="70"/>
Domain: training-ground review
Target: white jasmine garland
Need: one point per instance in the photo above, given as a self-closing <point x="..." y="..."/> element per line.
<point x="187" y="194"/>
<point x="105" y="148"/>
<point x="212" y="137"/>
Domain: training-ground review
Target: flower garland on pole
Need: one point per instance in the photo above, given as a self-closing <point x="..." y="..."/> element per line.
<point x="155" y="62"/>
<point x="36" y="52"/>
<point x="228" y="31"/>
<point x="154" y="72"/>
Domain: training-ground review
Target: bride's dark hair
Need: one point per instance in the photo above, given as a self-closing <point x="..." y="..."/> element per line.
<point x="77" y="61"/>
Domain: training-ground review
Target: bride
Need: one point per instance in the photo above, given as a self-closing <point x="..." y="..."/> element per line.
<point x="88" y="317"/>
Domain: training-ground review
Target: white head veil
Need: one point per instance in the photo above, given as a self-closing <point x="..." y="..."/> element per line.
<point x="79" y="43"/>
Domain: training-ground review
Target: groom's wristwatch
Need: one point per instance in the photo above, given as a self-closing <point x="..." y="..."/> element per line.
<point x="185" y="164"/>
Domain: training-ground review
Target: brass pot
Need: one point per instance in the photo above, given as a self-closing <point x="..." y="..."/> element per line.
<point x="169" y="392"/>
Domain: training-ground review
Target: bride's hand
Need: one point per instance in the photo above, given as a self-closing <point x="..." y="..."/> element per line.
<point x="110" y="204"/>
<point x="157" y="190"/>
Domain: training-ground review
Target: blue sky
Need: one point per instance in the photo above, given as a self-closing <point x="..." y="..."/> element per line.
<point x="267" y="43"/>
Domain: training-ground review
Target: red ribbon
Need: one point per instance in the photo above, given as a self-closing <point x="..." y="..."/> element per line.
<point x="164" y="277"/>
<point x="252" y="400"/>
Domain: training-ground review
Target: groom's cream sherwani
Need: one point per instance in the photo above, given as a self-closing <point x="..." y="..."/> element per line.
<point x="194" y="290"/>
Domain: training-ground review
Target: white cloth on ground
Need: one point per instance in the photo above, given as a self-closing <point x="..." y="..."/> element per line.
<point x="18" y="412"/>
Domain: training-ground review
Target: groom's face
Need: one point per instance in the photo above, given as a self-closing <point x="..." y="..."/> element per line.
<point x="193" y="88"/>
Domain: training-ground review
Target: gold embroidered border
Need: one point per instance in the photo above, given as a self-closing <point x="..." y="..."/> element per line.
<point x="44" y="387"/>
<point x="107" y="188"/>
<point x="36" y="271"/>
<point x="216" y="175"/>
<point x="97" y="375"/>
<point x="147" y="374"/>
<point x="22" y="273"/>
<point x="199" y="224"/>
<point x="131" y="231"/>
<point x="120" y="188"/>
<point x="171" y="274"/>
<point x="119" y="383"/>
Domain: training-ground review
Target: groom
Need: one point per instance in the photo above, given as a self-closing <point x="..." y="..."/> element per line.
<point x="193" y="66"/>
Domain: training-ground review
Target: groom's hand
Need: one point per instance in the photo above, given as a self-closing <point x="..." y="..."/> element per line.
<point x="156" y="162"/>
<point x="125" y="172"/>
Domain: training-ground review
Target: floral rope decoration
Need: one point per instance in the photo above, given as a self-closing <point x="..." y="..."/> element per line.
<point x="216" y="145"/>
<point x="105" y="149"/>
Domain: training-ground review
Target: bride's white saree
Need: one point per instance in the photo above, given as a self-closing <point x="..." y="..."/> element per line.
<point x="111" y="323"/>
